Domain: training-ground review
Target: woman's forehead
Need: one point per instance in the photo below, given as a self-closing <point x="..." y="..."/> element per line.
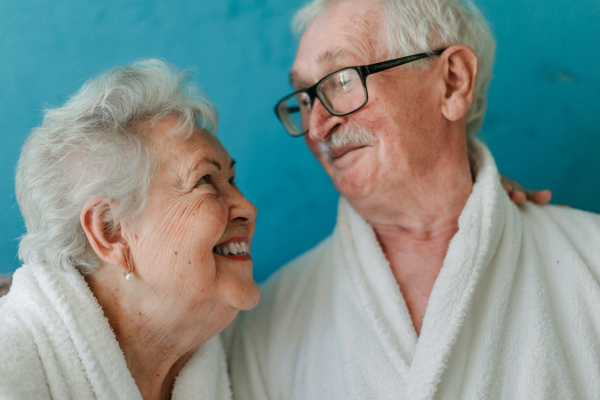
<point x="201" y="145"/>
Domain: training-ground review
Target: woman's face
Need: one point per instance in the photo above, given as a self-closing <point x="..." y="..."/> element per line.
<point x="190" y="246"/>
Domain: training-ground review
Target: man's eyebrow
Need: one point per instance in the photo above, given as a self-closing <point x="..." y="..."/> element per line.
<point x="232" y="164"/>
<point x="327" y="57"/>
<point x="295" y="80"/>
<point x="331" y="55"/>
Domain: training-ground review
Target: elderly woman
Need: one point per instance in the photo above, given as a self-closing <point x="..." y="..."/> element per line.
<point x="137" y="251"/>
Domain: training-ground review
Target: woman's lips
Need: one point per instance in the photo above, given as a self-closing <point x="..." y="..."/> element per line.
<point x="234" y="239"/>
<point x="236" y="257"/>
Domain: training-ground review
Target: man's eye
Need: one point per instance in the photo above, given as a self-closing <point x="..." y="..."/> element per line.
<point x="303" y="100"/>
<point x="204" y="180"/>
<point x="232" y="181"/>
<point x="345" y="80"/>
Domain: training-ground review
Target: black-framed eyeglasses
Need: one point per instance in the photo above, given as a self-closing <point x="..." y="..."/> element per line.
<point x="339" y="92"/>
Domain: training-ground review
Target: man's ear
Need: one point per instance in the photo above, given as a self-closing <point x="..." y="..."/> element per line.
<point x="459" y="65"/>
<point x="103" y="232"/>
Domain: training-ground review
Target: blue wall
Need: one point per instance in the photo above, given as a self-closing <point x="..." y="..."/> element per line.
<point x="543" y="122"/>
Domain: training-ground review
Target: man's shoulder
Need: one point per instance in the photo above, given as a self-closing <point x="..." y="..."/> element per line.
<point x="581" y="226"/>
<point x="300" y="270"/>
<point x="285" y="297"/>
<point x="293" y="283"/>
<point x="265" y="341"/>
<point x="576" y="217"/>
<point x="560" y="232"/>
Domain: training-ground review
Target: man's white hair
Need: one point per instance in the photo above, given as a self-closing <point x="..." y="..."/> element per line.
<point x="93" y="147"/>
<point x="418" y="26"/>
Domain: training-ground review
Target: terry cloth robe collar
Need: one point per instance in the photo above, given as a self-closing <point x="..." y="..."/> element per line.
<point x="55" y="342"/>
<point x="513" y="312"/>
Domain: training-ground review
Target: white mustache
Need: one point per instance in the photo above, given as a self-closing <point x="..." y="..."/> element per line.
<point x="352" y="134"/>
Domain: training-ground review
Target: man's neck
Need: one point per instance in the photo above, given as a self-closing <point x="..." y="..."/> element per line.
<point x="414" y="226"/>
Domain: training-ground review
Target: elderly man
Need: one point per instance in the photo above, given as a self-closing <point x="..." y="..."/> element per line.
<point x="433" y="283"/>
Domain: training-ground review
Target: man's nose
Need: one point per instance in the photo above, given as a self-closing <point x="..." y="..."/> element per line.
<point x="321" y="122"/>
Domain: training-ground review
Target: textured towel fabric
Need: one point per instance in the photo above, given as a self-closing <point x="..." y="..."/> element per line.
<point x="56" y="343"/>
<point x="514" y="313"/>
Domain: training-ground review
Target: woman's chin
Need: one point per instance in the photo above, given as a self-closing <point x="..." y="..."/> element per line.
<point x="245" y="297"/>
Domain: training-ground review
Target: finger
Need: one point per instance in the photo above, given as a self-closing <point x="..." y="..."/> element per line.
<point x="518" y="188"/>
<point x="518" y="197"/>
<point x="540" y="196"/>
<point x="506" y="184"/>
<point x="518" y="194"/>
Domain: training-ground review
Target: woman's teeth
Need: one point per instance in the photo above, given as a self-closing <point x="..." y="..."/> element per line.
<point x="233" y="248"/>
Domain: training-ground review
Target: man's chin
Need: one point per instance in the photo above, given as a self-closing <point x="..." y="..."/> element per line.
<point x="353" y="177"/>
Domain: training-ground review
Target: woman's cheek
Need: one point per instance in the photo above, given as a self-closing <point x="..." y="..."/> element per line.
<point x="203" y="230"/>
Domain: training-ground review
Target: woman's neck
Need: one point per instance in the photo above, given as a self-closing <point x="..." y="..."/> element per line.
<point x="156" y="340"/>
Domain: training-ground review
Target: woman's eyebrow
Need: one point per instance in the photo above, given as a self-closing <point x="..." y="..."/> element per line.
<point x="206" y="160"/>
<point x="199" y="163"/>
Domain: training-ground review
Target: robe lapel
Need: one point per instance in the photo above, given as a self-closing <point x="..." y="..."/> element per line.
<point x="471" y="250"/>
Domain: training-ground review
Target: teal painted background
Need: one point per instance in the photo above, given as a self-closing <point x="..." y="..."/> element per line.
<point x="543" y="121"/>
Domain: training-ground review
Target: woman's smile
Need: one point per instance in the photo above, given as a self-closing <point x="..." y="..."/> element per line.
<point x="236" y="248"/>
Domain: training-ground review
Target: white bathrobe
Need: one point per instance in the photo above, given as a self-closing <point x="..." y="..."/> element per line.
<point x="56" y="343"/>
<point x="514" y="312"/>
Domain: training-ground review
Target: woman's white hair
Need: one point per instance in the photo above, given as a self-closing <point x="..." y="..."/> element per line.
<point x="91" y="148"/>
<point x="418" y="26"/>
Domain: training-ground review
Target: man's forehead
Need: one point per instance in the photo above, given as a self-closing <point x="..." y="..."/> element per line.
<point x="341" y="37"/>
<point x="326" y="61"/>
<point x="326" y="57"/>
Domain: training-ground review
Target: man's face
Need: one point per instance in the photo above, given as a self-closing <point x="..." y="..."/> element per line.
<point x="402" y="117"/>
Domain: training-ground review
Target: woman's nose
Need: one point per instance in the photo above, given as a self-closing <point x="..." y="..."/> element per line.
<point x="241" y="209"/>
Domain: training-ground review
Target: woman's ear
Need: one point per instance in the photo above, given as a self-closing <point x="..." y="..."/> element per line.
<point x="103" y="231"/>
<point x="459" y="73"/>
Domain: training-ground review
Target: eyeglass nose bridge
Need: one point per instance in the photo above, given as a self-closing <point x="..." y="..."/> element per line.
<point x="312" y="95"/>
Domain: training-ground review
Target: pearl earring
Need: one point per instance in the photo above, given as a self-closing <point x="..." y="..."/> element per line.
<point x="128" y="275"/>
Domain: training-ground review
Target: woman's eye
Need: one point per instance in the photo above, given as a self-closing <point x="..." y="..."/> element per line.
<point x="232" y="181"/>
<point x="204" y="180"/>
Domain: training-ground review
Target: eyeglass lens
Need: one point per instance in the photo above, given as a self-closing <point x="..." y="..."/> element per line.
<point x="291" y="112"/>
<point x="341" y="93"/>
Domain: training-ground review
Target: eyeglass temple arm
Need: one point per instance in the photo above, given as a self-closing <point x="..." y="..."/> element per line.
<point x="382" y="66"/>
